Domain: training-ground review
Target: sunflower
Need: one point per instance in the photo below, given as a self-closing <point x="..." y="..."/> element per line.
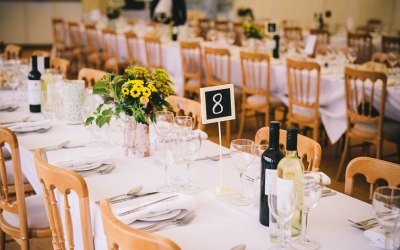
<point x="125" y="91"/>
<point x="135" y="92"/>
<point x="151" y="87"/>
<point x="146" y="91"/>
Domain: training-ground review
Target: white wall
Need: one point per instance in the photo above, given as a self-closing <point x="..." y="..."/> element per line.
<point x="30" y="22"/>
<point x="301" y="11"/>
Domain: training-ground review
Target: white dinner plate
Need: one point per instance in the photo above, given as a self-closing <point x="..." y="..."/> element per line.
<point x="163" y="215"/>
<point x="30" y="129"/>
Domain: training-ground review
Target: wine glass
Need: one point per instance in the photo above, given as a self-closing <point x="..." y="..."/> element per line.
<point x="386" y="207"/>
<point x="231" y="37"/>
<point x="183" y="124"/>
<point x="165" y="154"/>
<point x="392" y="59"/>
<point x="212" y="35"/>
<point x="13" y="81"/>
<point x="164" y="122"/>
<point x="242" y="153"/>
<point x="312" y="190"/>
<point x="282" y="201"/>
<point x="351" y="54"/>
<point x="189" y="148"/>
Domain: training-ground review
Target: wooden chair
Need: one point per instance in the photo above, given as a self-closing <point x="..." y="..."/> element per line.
<point x="308" y="150"/>
<point x="79" y="54"/>
<point x="204" y="26"/>
<point x="374" y="24"/>
<point x="60" y="36"/>
<point x="185" y="106"/>
<point x="192" y="67"/>
<point x="94" y="57"/>
<point x="12" y="51"/>
<point x="222" y="25"/>
<point x="60" y="65"/>
<point x="391" y="44"/>
<point x="304" y="79"/>
<point x="122" y="236"/>
<point x="64" y="181"/>
<point x="110" y="51"/>
<point x="293" y="34"/>
<point x="132" y="43"/>
<point x="364" y="122"/>
<point x="22" y="218"/>
<point x="154" y="55"/>
<point x="256" y="96"/>
<point x="363" y="45"/>
<point x="42" y="53"/>
<point x="323" y="37"/>
<point x="91" y="76"/>
<point x="218" y="72"/>
<point x="373" y="169"/>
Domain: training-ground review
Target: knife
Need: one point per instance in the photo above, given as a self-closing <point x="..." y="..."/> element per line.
<point x="133" y="196"/>
<point x="147" y="204"/>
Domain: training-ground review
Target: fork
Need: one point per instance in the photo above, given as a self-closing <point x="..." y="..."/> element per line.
<point x="177" y="221"/>
<point x="363" y="222"/>
<point x="105" y="170"/>
<point x="366" y="226"/>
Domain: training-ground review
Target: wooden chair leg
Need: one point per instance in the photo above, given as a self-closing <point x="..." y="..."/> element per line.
<point x="343" y="159"/>
<point x="2" y="240"/>
<point x="398" y="149"/>
<point x="241" y="126"/>
<point x="228" y="132"/>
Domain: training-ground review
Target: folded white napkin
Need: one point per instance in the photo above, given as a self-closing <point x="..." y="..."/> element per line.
<point x="182" y="201"/>
<point x="6" y="106"/>
<point x="30" y="126"/>
<point x="326" y="181"/>
<point x="203" y="135"/>
<point x="376" y="237"/>
<point x="82" y="162"/>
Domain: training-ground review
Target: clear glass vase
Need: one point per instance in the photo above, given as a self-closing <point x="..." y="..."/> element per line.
<point x="136" y="138"/>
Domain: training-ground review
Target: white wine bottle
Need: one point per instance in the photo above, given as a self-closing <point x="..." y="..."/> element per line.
<point x="48" y="89"/>
<point x="292" y="168"/>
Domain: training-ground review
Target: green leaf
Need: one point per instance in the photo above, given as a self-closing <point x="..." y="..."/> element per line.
<point x="89" y="121"/>
<point x="102" y="91"/>
<point x="98" y="109"/>
<point x="101" y="85"/>
<point x="117" y="78"/>
<point x="107" y="112"/>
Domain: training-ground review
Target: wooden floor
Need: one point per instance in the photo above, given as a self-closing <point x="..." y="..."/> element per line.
<point x="330" y="161"/>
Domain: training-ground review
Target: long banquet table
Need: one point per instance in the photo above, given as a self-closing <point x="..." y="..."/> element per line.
<point x="218" y="224"/>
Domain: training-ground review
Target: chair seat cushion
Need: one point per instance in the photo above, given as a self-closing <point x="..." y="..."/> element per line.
<point x="307" y="113"/>
<point x="261" y="100"/>
<point x="36" y="213"/>
<point x="193" y="83"/>
<point x="10" y="174"/>
<point x="390" y="130"/>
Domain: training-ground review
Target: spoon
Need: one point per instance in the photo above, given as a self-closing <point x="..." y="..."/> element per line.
<point x="132" y="191"/>
<point x="239" y="247"/>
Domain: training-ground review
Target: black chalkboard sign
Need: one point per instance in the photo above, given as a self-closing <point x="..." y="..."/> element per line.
<point x="217" y="103"/>
<point x="271" y="27"/>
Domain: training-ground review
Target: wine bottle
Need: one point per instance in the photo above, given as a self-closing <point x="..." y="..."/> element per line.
<point x="34" y="92"/>
<point x="275" y="51"/>
<point x="174" y="33"/>
<point x="269" y="164"/>
<point x="292" y="168"/>
<point x="48" y="89"/>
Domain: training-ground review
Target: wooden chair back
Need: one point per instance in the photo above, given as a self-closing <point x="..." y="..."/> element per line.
<point x="303" y="86"/>
<point x="92" y="39"/>
<point x="90" y="76"/>
<point x="293" y="34"/>
<point x="42" y="53"/>
<point x="204" y="26"/>
<point x="374" y="24"/>
<point x="110" y="44"/>
<point x="191" y="60"/>
<point x="9" y="203"/>
<point x="218" y="66"/>
<point x="60" y="65"/>
<point x="362" y="43"/>
<point x="391" y="44"/>
<point x="255" y="73"/>
<point x="12" y="51"/>
<point x="373" y="169"/>
<point x="57" y="184"/>
<point x="222" y="25"/>
<point x="185" y="106"/>
<point x="322" y="36"/>
<point x="75" y="37"/>
<point x="122" y="236"/>
<point x="59" y="34"/>
<point x="132" y="43"/>
<point x="153" y="52"/>
<point x="308" y="150"/>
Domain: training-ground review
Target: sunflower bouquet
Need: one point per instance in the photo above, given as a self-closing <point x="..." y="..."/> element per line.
<point x="137" y="93"/>
<point x="252" y="30"/>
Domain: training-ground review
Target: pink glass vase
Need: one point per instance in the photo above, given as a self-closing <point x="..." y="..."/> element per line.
<point x="136" y="138"/>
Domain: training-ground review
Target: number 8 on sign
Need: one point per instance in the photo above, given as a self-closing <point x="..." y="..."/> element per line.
<point x="217" y="104"/>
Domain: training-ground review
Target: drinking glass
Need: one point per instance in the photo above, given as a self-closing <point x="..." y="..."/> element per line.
<point x="183" y="125"/>
<point x="392" y="59"/>
<point x="242" y="153"/>
<point x="188" y="149"/>
<point x="282" y="201"/>
<point x="212" y="35"/>
<point x="165" y="154"/>
<point x="386" y="207"/>
<point x="351" y="54"/>
<point x="231" y="37"/>
<point x="312" y="190"/>
<point x="13" y="81"/>
<point x="164" y="122"/>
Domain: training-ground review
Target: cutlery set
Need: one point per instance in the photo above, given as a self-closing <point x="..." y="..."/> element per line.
<point x="213" y="157"/>
<point x="105" y="169"/>
<point x="364" y="224"/>
<point x="180" y="220"/>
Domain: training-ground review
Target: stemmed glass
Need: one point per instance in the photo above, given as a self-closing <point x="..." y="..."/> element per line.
<point x="13" y="82"/>
<point x="189" y="147"/>
<point x="282" y="204"/>
<point x="351" y="54"/>
<point x="183" y="124"/>
<point x="392" y="59"/>
<point x="242" y="153"/>
<point x="386" y="207"/>
<point x="165" y="151"/>
<point x="164" y="122"/>
<point x="312" y="190"/>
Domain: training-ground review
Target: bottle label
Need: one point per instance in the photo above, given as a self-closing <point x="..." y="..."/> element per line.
<point x="270" y="181"/>
<point x="284" y="192"/>
<point x="34" y="92"/>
